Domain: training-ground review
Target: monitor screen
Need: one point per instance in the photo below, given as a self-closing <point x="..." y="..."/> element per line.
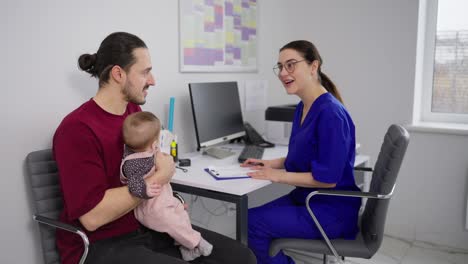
<point x="216" y="112"/>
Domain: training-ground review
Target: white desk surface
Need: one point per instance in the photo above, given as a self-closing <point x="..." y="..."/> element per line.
<point x="197" y="177"/>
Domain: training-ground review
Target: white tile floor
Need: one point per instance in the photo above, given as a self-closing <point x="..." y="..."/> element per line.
<point x="397" y="251"/>
<point x="217" y="216"/>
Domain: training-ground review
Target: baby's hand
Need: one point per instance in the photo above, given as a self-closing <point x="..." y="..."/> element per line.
<point x="153" y="189"/>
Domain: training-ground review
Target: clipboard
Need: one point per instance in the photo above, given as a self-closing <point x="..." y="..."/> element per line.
<point x="228" y="172"/>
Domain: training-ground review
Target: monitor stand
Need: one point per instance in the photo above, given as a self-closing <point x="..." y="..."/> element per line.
<point x="217" y="152"/>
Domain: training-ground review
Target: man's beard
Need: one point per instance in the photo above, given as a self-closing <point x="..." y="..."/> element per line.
<point x="132" y="98"/>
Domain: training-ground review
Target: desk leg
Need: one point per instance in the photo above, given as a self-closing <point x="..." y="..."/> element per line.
<point x="242" y="219"/>
<point x="241" y="203"/>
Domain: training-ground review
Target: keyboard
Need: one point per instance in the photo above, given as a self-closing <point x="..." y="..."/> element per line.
<point x="250" y="151"/>
<point x="218" y="153"/>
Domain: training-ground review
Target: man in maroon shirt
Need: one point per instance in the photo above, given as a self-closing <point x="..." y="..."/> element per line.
<point x="88" y="148"/>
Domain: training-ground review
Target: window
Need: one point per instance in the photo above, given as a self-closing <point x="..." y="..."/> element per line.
<point x="442" y="62"/>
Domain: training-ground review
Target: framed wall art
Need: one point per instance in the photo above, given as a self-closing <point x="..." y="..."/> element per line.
<point x="218" y="35"/>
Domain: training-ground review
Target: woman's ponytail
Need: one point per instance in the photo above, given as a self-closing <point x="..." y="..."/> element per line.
<point x="330" y="86"/>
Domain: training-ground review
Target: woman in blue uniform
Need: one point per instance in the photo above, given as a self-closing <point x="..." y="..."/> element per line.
<point x="320" y="156"/>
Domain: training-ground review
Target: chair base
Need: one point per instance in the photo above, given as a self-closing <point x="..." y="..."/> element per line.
<point x="310" y="258"/>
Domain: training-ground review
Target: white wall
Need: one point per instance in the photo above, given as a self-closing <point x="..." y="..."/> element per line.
<point x="369" y="51"/>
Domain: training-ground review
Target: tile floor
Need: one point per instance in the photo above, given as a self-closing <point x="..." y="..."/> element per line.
<point x="219" y="217"/>
<point x="397" y="251"/>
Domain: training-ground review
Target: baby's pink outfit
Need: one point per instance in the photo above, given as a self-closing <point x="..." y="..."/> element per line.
<point x="163" y="213"/>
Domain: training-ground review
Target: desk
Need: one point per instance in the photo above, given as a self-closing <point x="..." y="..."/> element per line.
<point x="198" y="182"/>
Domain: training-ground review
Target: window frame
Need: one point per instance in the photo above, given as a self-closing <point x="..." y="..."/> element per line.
<point x="427" y="30"/>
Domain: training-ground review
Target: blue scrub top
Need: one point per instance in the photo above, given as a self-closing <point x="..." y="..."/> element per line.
<point x="325" y="145"/>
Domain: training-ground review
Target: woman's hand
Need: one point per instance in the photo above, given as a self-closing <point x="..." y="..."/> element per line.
<point x="256" y="163"/>
<point x="274" y="164"/>
<point x="265" y="173"/>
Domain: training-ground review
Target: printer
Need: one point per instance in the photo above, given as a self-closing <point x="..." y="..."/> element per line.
<point x="279" y="123"/>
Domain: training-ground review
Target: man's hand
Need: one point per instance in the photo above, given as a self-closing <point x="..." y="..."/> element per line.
<point x="165" y="167"/>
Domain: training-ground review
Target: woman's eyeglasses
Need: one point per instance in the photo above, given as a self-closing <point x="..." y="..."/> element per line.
<point x="290" y="66"/>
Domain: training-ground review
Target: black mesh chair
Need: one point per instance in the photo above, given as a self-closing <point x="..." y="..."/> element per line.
<point x="372" y="221"/>
<point x="48" y="203"/>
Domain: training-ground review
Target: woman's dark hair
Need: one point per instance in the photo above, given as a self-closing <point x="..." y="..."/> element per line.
<point x="310" y="53"/>
<point x="115" y="49"/>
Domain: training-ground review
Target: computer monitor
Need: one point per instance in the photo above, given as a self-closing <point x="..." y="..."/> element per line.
<point x="216" y="112"/>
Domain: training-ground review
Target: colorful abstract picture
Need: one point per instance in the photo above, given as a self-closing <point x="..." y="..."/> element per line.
<point x="218" y="35"/>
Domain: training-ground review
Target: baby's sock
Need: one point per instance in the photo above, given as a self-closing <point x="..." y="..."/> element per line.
<point x="205" y="247"/>
<point x="189" y="254"/>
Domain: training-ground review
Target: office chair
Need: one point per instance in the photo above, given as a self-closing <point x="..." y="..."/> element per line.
<point x="47" y="195"/>
<point x="372" y="221"/>
<point x="43" y="173"/>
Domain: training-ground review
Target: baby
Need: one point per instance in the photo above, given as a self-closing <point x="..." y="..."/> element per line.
<point x="159" y="210"/>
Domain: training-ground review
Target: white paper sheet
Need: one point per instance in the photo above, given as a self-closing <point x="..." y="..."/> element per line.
<point x="255" y="95"/>
<point x="229" y="171"/>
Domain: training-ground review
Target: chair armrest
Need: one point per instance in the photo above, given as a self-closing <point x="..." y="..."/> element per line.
<point x="350" y="194"/>
<point x="363" y="169"/>
<point x="57" y="224"/>
<point x="178" y="196"/>
<point x="343" y="194"/>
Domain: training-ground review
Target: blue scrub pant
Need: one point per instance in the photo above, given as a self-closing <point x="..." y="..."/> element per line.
<point x="284" y="218"/>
